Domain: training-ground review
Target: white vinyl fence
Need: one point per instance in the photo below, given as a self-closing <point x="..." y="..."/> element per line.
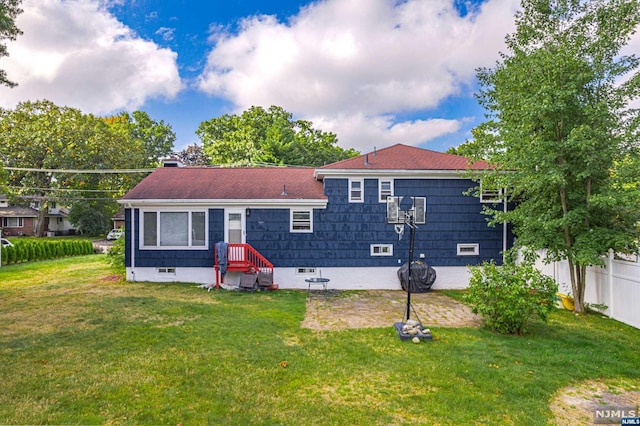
<point x="617" y="286"/>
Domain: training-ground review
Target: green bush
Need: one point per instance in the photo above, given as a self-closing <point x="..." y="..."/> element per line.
<point x="34" y="250"/>
<point x="115" y="256"/>
<point x="509" y="296"/>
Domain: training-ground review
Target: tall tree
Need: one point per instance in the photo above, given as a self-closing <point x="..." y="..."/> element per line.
<point x="561" y="126"/>
<point x="156" y="137"/>
<point x="268" y="136"/>
<point x="41" y="135"/>
<point x="9" y="10"/>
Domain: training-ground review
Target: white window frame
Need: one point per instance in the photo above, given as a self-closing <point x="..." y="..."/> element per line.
<point x="382" y="196"/>
<point x="355" y="199"/>
<point x="468" y="249"/>
<point x="7" y="222"/>
<point x="189" y="246"/>
<point x="292" y="212"/>
<point x="381" y="249"/>
<point x="306" y="271"/>
<point x="167" y="271"/>
<point x="491" y="195"/>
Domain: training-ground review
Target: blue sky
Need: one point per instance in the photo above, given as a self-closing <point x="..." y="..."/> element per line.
<point x="375" y="72"/>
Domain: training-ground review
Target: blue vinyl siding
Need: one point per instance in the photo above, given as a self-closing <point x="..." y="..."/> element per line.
<point x="174" y="258"/>
<point x="343" y="232"/>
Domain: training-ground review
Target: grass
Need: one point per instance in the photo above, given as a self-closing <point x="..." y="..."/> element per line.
<point x="78" y="349"/>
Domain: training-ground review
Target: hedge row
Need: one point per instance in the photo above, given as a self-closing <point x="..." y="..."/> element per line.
<point x="34" y="250"/>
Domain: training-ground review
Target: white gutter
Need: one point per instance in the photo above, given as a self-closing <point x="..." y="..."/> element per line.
<point x="320" y="174"/>
<point x="225" y="203"/>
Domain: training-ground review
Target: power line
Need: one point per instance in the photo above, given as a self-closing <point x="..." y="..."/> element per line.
<point x="64" y="189"/>
<point x="78" y="171"/>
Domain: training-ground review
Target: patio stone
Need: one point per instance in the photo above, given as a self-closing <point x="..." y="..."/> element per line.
<point x="382" y="308"/>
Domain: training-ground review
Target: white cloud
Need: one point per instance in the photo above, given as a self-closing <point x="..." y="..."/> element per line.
<point x="74" y="53"/>
<point x="166" y="33"/>
<point x="354" y="64"/>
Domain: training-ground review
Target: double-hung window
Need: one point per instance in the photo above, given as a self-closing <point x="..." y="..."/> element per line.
<point x="301" y="221"/>
<point x="385" y="189"/>
<point x="356" y="190"/>
<point x="170" y="229"/>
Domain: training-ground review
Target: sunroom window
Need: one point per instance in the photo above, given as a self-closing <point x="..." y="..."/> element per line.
<point x="169" y="229"/>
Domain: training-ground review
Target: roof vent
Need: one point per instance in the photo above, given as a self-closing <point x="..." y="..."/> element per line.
<point x="375" y="151"/>
<point x="366" y="159"/>
<point x="284" y="190"/>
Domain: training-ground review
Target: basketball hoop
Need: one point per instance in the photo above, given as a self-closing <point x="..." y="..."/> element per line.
<point x="399" y="230"/>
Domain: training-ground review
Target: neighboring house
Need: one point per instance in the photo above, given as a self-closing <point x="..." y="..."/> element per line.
<point x="118" y="219"/>
<point x="330" y="221"/>
<point x="15" y="220"/>
<point x="18" y="220"/>
<point x="57" y="223"/>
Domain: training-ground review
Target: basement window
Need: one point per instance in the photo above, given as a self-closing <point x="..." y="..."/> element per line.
<point x="381" y="249"/>
<point x="468" y="249"/>
<point x="305" y="271"/>
<point x="167" y="271"/>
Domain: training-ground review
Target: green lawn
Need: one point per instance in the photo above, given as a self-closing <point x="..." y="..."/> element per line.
<point x="78" y="349"/>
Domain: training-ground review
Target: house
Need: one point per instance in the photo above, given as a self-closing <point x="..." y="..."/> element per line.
<point x="16" y="220"/>
<point x="330" y="221"/>
<point x="118" y="219"/>
<point x="23" y="221"/>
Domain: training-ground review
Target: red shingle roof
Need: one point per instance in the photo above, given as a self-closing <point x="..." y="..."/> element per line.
<point x="195" y="183"/>
<point x="404" y="157"/>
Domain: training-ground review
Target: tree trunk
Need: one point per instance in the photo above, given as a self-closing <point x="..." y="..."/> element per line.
<point x="578" y="285"/>
<point x="42" y="219"/>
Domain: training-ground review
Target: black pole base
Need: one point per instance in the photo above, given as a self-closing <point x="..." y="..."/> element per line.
<point x="405" y="332"/>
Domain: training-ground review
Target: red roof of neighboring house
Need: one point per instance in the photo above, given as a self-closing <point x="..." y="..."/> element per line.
<point x="404" y="157"/>
<point x="208" y="183"/>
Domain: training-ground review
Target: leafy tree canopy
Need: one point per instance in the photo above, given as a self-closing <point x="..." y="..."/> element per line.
<point x="155" y="137"/>
<point x="41" y="135"/>
<point x="9" y="10"/>
<point x="268" y="136"/>
<point x="561" y="125"/>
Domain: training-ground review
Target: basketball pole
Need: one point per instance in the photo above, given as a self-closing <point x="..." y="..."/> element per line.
<point x="411" y="241"/>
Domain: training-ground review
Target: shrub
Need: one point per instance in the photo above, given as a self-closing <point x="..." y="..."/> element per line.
<point x="115" y="256"/>
<point x="509" y="296"/>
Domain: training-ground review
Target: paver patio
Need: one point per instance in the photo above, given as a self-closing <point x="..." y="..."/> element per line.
<point x="382" y="308"/>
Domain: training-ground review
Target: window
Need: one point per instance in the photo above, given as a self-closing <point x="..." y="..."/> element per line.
<point x="174" y="229"/>
<point x="381" y="249"/>
<point x="301" y="221"/>
<point x="167" y="271"/>
<point x="490" y="195"/>
<point x="468" y="249"/>
<point x="305" y="271"/>
<point x="12" y="222"/>
<point x="356" y="191"/>
<point x="385" y="189"/>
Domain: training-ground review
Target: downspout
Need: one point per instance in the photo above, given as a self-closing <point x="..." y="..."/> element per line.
<point x="133" y="243"/>
<point x="504" y="227"/>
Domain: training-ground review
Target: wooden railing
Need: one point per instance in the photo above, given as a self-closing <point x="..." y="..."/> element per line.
<point x="242" y="258"/>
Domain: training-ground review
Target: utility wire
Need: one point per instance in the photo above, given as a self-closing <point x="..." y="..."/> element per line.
<point x="78" y="171"/>
<point x="64" y="189"/>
